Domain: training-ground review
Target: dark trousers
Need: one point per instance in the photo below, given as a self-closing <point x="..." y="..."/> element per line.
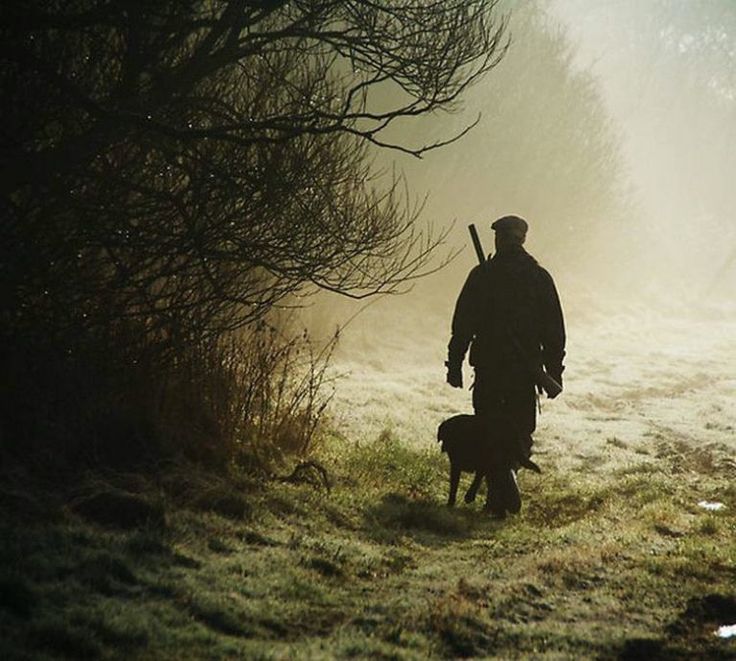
<point x="508" y="410"/>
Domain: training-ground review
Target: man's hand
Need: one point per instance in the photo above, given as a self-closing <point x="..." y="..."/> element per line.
<point x="454" y="374"/>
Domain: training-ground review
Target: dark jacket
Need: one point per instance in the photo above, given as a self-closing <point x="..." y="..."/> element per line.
<point x="508" y="307"/>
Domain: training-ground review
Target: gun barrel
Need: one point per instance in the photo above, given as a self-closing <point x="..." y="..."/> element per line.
<point x="476" y="243"/>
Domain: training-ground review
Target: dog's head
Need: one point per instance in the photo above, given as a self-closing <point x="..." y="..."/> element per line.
<point x="457" y="431"/>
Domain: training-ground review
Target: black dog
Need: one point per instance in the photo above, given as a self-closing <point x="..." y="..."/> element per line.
<point x="463" y="438"/>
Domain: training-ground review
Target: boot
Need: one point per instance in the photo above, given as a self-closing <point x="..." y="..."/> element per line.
<point x="496" y="500"/>
<point x="503" y="494"/>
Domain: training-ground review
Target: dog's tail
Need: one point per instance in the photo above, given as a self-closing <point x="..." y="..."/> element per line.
<point x="441" y="434"/>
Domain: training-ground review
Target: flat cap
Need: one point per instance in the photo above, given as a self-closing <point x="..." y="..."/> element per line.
<point x="512" y="224"/>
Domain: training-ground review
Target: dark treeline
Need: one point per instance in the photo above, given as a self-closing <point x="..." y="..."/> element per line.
<point x="173" y="173"/>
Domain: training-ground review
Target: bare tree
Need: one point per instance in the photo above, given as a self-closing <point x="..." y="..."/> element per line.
<point x="193" y="164"/>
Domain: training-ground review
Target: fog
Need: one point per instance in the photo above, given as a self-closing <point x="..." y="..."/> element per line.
<point x="611" y="127"/>
<point x="667" y="73"/>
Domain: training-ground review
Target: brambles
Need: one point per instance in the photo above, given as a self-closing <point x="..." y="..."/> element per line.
<point x="171" y="173"/>
<point x="192" y="165"/>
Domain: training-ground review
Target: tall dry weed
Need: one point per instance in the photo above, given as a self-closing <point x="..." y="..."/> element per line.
<point x="248" y="398"/>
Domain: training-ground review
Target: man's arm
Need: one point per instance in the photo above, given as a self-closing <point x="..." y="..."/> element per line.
<point x="553" y="329"/>
<point x="464" y="324"/>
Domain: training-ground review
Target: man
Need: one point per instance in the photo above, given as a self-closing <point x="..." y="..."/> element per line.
<point x="509" y="313"/>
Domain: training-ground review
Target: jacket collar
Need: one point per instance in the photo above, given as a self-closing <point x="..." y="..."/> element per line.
<point x="511" y="252"/>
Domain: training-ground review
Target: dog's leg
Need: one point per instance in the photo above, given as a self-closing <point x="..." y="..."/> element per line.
<point x="454" y="482"/>
<point x="472" y="492"/>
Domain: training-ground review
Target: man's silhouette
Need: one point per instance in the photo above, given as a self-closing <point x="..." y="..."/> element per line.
<point x="509" y="313"/>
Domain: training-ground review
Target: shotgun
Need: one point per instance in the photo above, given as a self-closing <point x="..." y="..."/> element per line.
<point x="476" y="244"/>
<point x="541" y="378"/>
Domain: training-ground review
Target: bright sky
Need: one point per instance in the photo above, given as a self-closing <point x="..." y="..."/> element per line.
<point x="667" y="70"/>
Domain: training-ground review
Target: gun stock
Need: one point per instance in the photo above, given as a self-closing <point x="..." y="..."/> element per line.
<point x="548" y="384"/>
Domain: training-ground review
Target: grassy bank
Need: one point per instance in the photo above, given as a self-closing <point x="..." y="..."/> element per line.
<point x="614" y="564"/>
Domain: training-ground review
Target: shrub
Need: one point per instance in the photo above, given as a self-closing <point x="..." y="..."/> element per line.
<point x="248" y="398"/>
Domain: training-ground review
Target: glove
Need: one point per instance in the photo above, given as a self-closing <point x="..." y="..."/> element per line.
<point x="454" y="374"/>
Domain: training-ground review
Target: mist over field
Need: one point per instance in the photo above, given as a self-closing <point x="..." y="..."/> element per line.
<point x="611" y="127"/>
